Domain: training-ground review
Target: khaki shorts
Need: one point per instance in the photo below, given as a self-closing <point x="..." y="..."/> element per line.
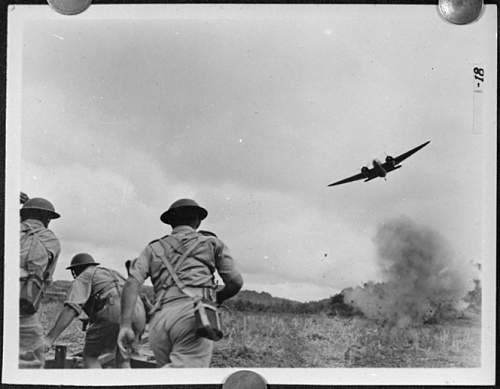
<point x="173" y="339"/>
<point x="101" y="338"/>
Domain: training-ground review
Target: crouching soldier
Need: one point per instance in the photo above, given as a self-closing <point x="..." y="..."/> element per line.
<point x="181" y="267"/>
<point x="39" y="250"/>
<point x="97" y="291"/>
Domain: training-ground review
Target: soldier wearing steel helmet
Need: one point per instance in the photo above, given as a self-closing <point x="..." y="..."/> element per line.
<point x="172" y="329"/>
<point x="39" y="251"/>
<point x="96" y="290"/>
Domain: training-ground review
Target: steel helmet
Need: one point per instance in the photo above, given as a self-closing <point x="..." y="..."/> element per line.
<point x="176" y="206"/>
<point x="42" y="205"/>
<point x="81" y="260"/>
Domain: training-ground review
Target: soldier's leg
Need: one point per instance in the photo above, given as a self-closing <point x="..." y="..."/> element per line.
<point x="158" y="337"/>
<point x="92" y="349"/>
<point x="31" y="352"/>
<point x="91" y="362"/>
<point x="31" y="359"/>
<point x="100" y="338"/>
<point x="189" y="349"/>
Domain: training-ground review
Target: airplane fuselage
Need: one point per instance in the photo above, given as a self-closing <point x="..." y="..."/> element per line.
<point x="377" y="165"/>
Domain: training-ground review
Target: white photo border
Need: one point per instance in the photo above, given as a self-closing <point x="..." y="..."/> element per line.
<point x="18" y="15"/>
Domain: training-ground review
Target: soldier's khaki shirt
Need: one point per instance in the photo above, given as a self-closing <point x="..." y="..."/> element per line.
<point x="89" y="283"/>
<point x="38" y="255"/>
<point x="196" y="270"/>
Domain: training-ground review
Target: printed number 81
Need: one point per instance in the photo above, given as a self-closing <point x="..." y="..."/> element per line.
<point x="479" y="74"/>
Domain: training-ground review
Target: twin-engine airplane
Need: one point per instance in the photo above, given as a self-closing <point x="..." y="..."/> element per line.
<point x="380" y="169"/>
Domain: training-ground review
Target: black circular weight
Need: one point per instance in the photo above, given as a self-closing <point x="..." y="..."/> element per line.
<point x="244" y="379"/>
<point x="69" y="7"/>
<point x="460" y="11"/>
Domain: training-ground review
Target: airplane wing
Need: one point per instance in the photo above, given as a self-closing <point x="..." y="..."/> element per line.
<point x="402" y="157"/>
<point x="360" y="176"/>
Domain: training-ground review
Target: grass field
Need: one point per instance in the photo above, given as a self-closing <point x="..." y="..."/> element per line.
<point x="286" y="340"/>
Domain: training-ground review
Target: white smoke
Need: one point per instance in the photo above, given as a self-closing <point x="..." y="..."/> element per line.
<point x="422" y="274"/>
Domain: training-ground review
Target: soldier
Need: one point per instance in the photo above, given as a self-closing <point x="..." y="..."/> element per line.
<point x="96" y="290"/>
<point x="172" y="330"/>
<point x="39" y="250"/>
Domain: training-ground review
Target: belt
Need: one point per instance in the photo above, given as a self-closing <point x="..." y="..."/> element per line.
<point x="175" y="293"/>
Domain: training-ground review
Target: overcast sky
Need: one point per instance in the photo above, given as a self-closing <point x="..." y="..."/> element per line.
<point x="253" y="117"/>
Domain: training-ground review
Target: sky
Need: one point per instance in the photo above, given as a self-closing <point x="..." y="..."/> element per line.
<point x="252" y="114"/>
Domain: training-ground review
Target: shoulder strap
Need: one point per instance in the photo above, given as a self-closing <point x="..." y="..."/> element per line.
<point x="33" y="230"/>
<point x="170" y="268"/>
<point x="90" y="305"/>
<point x="176" y="247"/>
<point x="92" y="276"/>
<point x="204" y="239"/>
<point x="173" y="242"/>
<point x="91" y="282"/>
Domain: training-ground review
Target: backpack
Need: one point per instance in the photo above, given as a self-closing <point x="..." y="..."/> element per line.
<point x="33" y="276"/>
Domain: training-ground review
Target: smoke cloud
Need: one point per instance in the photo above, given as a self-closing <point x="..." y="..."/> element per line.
<point x="422" y="273"/>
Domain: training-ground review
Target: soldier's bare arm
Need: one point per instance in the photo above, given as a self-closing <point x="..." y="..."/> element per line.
<point x="231" y="287"/>
<point x="63" y="321"/>
<point x="233" y="281"/>
<point x="129" y="299"/>
<point x="126" y="336"/>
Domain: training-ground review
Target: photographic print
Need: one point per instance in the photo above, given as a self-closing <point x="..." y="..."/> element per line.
<point x="306" y="191"/>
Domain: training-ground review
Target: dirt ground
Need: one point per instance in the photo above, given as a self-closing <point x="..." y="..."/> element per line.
<point x="286" y="340"/>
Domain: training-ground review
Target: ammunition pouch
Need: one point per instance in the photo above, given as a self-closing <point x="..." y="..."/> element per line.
<point x="30" y="294"/>
<point x="99" y="304"/>
<point x="99" y="301"/>
<point x="208" y="323"/>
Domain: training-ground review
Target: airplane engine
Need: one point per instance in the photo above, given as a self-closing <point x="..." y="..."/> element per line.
<point x="364" y="170"/>
<point x="389" y="160"/>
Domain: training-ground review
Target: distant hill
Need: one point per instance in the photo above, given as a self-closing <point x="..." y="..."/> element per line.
<point x="60" y="285"/>
<point x="262" y="298"/>
<point x="57" y="290"/>
<point x="251" y="301"/>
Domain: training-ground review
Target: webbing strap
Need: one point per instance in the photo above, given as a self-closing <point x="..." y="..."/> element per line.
<point x="92" y="276"/>
<point x="172" y="271"/>
<point x="175" y="247"/>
